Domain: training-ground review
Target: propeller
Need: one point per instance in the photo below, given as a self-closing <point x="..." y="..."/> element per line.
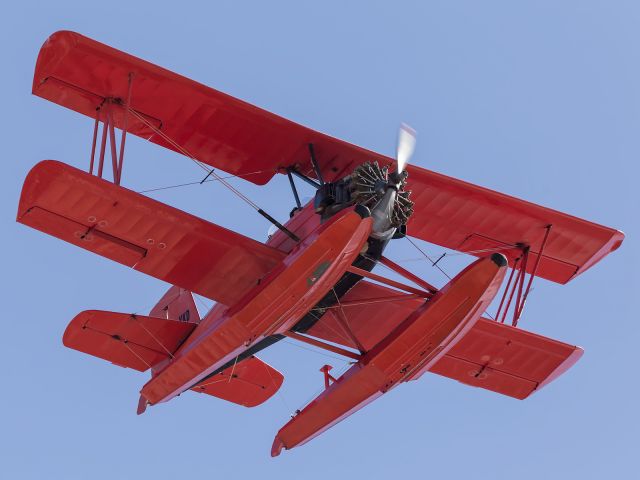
<point x="406" y="145"/>
<point x="382" y="191"/>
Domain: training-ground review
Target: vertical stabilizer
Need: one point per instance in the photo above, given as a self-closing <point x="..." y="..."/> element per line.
<point x="177" y="304"/>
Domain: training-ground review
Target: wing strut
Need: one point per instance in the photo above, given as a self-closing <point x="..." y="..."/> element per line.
<point x="123" y="138"/>
<point x="520" y="265"/>
<point x="388" y="281"/>
<point x="343" y="321"/>
<point x="517" y="314"/>
<point x="117" y="159"/>
<point x="301" y="176"/>
<point x="294" y="189"/>
<point x="314" y="162"/>
<point x="328" y="378"/>
<point x="323" y="345"/>
<point x="407" y="274"/>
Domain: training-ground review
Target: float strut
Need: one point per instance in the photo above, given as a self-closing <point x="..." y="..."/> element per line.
<point x="294" y="189"/>
<point x="328" y="378"/>
<point x="314" y="162"/>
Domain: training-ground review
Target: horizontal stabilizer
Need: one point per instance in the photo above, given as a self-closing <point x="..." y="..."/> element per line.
<point x="506" y="360"/>
<point x="142" y="233"/>
<point x="127" y="340"/>
<point x="250" y="382"/>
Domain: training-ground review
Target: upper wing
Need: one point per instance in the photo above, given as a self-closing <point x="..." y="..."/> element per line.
<point x="82" y="74"/>
<point x="469" y="218"/>
<point x="142" y="233"/>
<point x="492" y="355"/>
<point x="227" y="133"/>
<point x="506" y="360"/>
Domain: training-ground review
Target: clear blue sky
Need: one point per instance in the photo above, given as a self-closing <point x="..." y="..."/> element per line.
<point x="538" y="99"/>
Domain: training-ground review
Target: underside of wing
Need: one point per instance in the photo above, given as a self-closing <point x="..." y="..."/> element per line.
<point x="506" y="360"/>
<point x="469" y="218"/>
<point x="227" y="133"/>
<point x="180" y="114"/>
<point x="493" y="356"/>
<point x="142" y="233"/>
<point x="370" y="311"/>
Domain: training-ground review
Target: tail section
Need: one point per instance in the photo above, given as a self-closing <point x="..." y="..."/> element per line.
<point x="127" y="340"/>
<point x="249" y="383"/>
<point x="177" y="304"/>
<point x="149" y="343"/>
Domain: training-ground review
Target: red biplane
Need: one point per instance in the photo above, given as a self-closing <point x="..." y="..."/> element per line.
<point x="312" y="281"/>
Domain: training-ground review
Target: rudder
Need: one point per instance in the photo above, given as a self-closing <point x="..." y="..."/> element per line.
<point x="176" y="304"/>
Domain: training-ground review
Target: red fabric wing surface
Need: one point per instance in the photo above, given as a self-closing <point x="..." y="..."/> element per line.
<point x="469" y="218"/>
<point x="370" y="320"/>
<point x="492" y="355"/>
<point x="249" y="383"/>
<point x="506" y="360"/>
<point x="142" y="233"/>
<point x="127" y="340"/>
<point x="90" y="77"/>
<point x="85" y="75"/>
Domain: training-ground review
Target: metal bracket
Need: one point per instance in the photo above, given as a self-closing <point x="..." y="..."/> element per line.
<point x="328" y="378"/>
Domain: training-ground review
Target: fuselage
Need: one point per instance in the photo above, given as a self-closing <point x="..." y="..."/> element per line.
<point x="312" y="276"/>
<point x="339" y="232"/>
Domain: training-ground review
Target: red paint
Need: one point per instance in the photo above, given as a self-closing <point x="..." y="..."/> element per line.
<point x="128" y="340"/>
<point x="142" y="233"/>
<point x="506" y="360"/>
<point x="176" y="304"/>
<point x="249" y="383"/>
<point x="263" y="290"/>
<point x="273" y="306"/>
<point x="416" y="343"/>
<point x="512" y="361"/>
<point x="224" y="132"/>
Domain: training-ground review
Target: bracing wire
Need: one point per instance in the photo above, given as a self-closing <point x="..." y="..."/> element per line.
<point x="200" y="182"/>
<point x="318" y="351"/>
<point x="433" y="262"/>
<point x="211" y="172"/>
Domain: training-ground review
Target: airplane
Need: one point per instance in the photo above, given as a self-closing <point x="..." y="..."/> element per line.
<point x="313" y="280"/>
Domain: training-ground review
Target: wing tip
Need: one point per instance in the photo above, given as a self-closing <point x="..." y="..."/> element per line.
<point x="569" y="362"/>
